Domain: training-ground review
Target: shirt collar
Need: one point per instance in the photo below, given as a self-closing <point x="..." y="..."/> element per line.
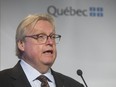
<point x="32" y="73"/>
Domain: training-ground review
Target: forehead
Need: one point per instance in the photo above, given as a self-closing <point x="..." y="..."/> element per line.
<point x="42" y="26"/>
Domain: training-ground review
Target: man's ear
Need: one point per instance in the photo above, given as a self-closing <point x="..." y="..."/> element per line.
<point x="21" y="45"/>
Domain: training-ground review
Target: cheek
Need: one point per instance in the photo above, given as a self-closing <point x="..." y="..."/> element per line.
<point x="55" y="53"/>
<point x="33" y="50"/>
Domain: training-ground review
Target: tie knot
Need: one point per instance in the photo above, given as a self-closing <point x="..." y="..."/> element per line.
<point x="42" y="78"/>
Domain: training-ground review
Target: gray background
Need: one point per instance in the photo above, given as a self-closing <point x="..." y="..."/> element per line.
<point x="88" y="43"/>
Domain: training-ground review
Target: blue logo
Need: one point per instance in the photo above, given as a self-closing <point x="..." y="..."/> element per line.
<point x="96" y="11"/>
<point x="70" y="11"/>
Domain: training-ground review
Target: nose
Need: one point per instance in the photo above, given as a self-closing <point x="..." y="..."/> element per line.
<point x="49" y="41"/>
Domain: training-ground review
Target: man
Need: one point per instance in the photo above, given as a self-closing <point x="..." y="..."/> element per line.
<point x="36" y="41"/>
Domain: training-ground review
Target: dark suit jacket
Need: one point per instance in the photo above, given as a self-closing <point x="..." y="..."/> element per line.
<point x="15" y="77"/>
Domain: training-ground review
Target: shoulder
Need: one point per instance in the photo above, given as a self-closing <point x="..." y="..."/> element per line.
<point x="5" y="78"/>
<point x="5" y="72"/>
<point x="67" y="80"/>
<point x="10" y="72"/>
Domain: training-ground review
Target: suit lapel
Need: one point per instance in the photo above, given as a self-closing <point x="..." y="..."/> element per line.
<point x="18" y="77"/>
<point x="58" y="79"/>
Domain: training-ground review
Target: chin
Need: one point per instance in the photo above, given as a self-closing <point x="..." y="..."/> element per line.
<point x="49" y="62"/>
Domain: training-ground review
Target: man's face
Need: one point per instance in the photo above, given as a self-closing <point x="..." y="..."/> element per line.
<point x="40" y="54"/>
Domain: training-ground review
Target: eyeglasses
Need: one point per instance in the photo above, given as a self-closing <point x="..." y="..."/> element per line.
<point x="42" y="38"/>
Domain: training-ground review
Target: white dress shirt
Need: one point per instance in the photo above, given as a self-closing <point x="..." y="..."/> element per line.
<point x="31" y="74"/>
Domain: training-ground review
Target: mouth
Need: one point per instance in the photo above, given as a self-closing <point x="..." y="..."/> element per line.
<point x="48" y="52"/>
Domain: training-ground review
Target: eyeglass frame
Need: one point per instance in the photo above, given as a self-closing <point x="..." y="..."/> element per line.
<point x="37" y="36"/>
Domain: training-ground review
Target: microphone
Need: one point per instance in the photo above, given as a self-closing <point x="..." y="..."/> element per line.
<point x="79" y="72"/>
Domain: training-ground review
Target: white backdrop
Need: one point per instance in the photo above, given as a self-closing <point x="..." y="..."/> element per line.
<point x="88" y="41"/>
